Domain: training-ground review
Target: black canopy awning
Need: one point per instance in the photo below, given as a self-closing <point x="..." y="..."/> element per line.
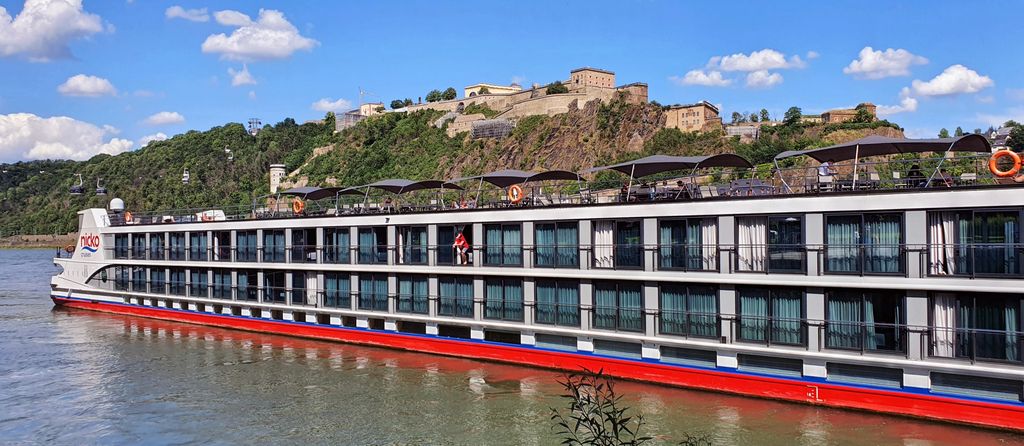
<point x="508" y="177"/>
<point x="401" y="186"/>
<point x="665" y="163"/>
<point x="881" y="145"/>
<point x="313" y="193"/>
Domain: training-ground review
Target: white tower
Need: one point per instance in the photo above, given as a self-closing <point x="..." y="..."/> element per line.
<point x="277" y="172"/>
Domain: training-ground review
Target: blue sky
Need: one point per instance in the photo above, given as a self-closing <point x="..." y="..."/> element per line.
<point x="85" y="78"/>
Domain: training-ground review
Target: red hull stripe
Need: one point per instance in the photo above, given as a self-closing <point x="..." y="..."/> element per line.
<point x="914" y="403"/>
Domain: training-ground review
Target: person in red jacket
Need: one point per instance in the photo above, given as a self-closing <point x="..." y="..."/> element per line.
<point x="462" y="247"/>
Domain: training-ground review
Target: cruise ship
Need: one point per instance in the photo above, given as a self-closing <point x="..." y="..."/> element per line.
<point x="866" y="275"/>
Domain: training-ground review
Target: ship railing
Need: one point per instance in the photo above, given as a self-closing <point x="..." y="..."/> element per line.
<point x="978" y="344"/>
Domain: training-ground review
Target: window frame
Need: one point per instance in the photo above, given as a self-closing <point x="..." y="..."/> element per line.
<point x="504" y="307"/>
<point x="556" y="247"/>
<point x="557" y="306"/>
<point x="767" y="246"/>
<point x="770" y="318"/>
<point x="971" y="255"/>
<point x="686" y="246"/>
<point x="899" y="326"/>
<point x="861" y="257"/>
<point x="688" y="332"/>
<point x="504" y="246"/>
<point x="615" y="246"/>
<point x="618" y="307"/>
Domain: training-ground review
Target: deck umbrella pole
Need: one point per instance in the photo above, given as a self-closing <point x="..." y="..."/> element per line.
<point x="479" y="189"/>
<point x="781" y="177"/>
<point x="856" y="161"/>
<point x="630" y="187"/>
<point x="939" y="166"/>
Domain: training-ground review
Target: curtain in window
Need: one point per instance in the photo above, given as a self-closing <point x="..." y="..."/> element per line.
<point x="604" y="239"/>
<point x="337" y="289"/>
<point x="569" y="304"/>
<point x="942" y="252"/>
<point x="604" y="306"/>
<point x="367" y="246"/>
<point x="513" y="241"/>
<point x="493" y="239"/>
<point x="786" y="312"/>
<point x="273" y="246"/>
<point x="709" y="243"/>
<point x="199" y="284"/>
<point x="337" y="249"/>
<point x="412" y="295"/>
<point x="753" y="315"/>
<point x="702" y="304"/>
<point x="404" y="251"/>
<point x="547" y="297"/>
<point x="513" y="300"/>
<point x="373" y="294"/>
<point x="670" y="239"/>
<point x="882" y="237"/>
<point x="844" y="317"/>
<point x="568" y="244"/>
<point x="995" y="234"/>
<point x="631" y="316"/>
<point x="1012" y="344"/>
<point x="996" y="325"/>
<point x="456" y="298"/>
<point x="628" y="248"/>
<point x="944" y="322"/>
<point x="494" y="300"/>
<point x="673" y="308"/>
<point x="843" y="244"/>
<point x="752" y="247"/>
<point x="156" y="247"/>
<point x="545" y="245"/>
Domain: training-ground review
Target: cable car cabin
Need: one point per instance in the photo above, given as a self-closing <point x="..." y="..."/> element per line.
<point x="100" y="190"/>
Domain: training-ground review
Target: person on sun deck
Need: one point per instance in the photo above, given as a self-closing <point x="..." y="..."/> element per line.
<point x="827" y="168"/>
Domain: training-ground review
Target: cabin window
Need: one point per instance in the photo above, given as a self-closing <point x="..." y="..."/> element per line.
<point x="273" y="245"/>
<point x="121" y="274"/>
<point x="337" y="245"/>
<point x="984" y="243"/>
<point x="412" y="245"/>
<point x="304" y="288"/>
<point x="976" y="326"/>
<point x="248" y="285"/>
<point x="557" y="245"/>
<point x="138" y="279"/>
<point x="618" y="306"/>
<point x="503" y="245"/>
<point x="771" y="315"/>
<point x="177" y="281"/>
<point x="412" y="294"/>
<point x="771" y="244"/>
<point x="197" y="248"/>
<point x="156" y="246"/>
<point x="221" y="284"/>
<point x="337" y="290"/>
<point x="176" y="241"/>
<point x="688" y="310"/>
<point x="558" y="302"/>
<point x="157" y="281"/>
<point x="120" y="246"/>
<point x="199" y="283"/>
<point x="245" y="246"/>
<point x="304" y="245"/>
<point x="453" y="249"/>
<point x="503" y="299"/>
<point x="618" y="244"/>
<point x="373" y="292"/>
<point x="864" y="244"/>
<point x="139" y="246"/>
<point x="456" y="297"/>
<point x="373" y="245"/>
<point x="274" y="287"/>
<point x="688" y="245"/>
<point x="222" y="246"/>
<point x="867" y="321"/>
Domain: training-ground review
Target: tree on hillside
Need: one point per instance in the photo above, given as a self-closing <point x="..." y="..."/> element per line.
<point x="397" y="103"/>
<point x="484" y="90"/>
<point x="863" y="114"/>
<point x="434" y="96"/>
<point x="977" y="131"/>
<point x="556" y="87"/>
<point x="958" y="132"/>
<point x="407" y="102"/>
<point x="1016" y="139"/>
<point x="737" y="117"/>
<point x="943" y="133"/>
<point x="792" y="115"/>
<point x="764" y="115"/>
<point x="1011" y="123"/>
<point x="753" y="117"/>
<point x="449" y="94"/>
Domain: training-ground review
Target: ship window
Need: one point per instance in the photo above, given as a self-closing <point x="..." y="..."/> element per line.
<point x="274" y="287"/>
<point x="121" y="278"/>
<point x="618" y="306"/>
<point x="120" y="246"/>
<point x="452" y="249"/>
<point x="618" y="244"/>
<point x="456" y="297"/>
<point x="688" y="310"/>
<point x="304" y="288"/>
<point x="865" y="375"/>
<point x="197" y="246"/>
<point x="412" y="294"/>
<point x="556" y="342"/>
<point x="412" y="245"/>
<point x="222" y="246"/>
<point x="558" y="302"/>
<point x="503" y="245"/>
<point x="976" y="386"/>
<point x="138" y="279"/>
<point x="373" y="292"/>
<point x="771" y="315"/>
<point x="157" y="281"/>
<point x="221" y="284"/>
<point x="557" y="245"/>
<point x="336" y="245"/>
<point x="504" y="337"/>
<point x="248" y="285"/>
<point x="273" y="245"/>
<point x="860" y="320"/>
<point x="373" y="245"/>
<point x="156" y="246"/>
<point x="617" y="348"/>
<point x="139" y="246"/>
<point x="503" y="299"/>
<point x="177" y="281"/>
<point x="176" y="241"/>
<point x="770" y="244"/>
<point x="868" y="244"/>
<point x="198" y="286"/>
<point x="976" y="326"/>
<point x="303" y="245"/>
<point x="770" y="365"/>
<point x="974" y="243"/>
<point x="245" y="246"/>
<point x="338" y="290"/>
<point x="688" y="245"/>
<point x="689" y="356"/>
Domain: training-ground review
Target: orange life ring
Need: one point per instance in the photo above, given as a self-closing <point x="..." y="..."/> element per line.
<point x="298" y="206"/>
<point x="994" y="168"/>
<point x="128" y="217"/>
<point x="69" y="249"/>
<point x="515" y="194"/>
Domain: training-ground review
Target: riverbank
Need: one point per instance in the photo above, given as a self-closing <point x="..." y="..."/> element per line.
<point x="38" y="241"/>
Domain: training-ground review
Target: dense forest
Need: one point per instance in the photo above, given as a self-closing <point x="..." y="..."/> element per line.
<point x="34" y="196"/>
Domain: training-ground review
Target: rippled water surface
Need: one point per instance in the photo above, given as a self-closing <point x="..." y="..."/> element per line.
<point x="80" y="377"/>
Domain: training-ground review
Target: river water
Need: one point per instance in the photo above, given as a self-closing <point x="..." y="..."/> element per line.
<point x="81" y="377"/>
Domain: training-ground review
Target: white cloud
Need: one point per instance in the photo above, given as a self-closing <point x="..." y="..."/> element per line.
<point x="907" y="104"/>
<point x="326" y="105"/>
<point x="763" y="79"/>
<point x="812" y="55"/>
<point x="241" y="77"/>
<point x="192" y="15"/>
<point x="84" y="85"/>
<point x="270" y="37"/>
<point x="766" y="59"/>
<point x="956" y="79"/>
<point x="158" y="136"/>
<point x="43" y="29"/>
<point x="699" y="77"/>
<point x="27" y="136"/>
<point x="165" y="118"/>
<point x="873" y="64"/>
